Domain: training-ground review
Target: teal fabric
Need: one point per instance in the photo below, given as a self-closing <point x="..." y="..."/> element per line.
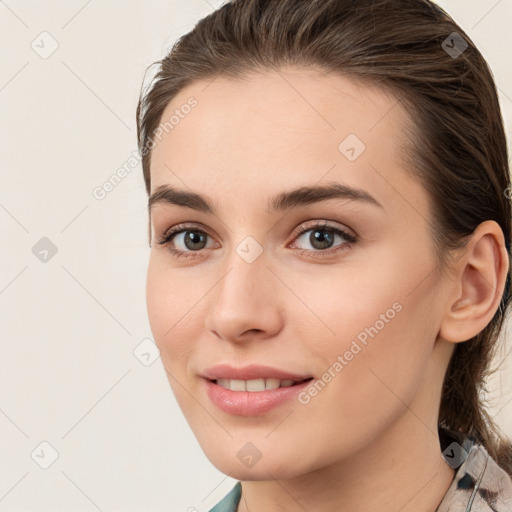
<point x="230" y="502"/>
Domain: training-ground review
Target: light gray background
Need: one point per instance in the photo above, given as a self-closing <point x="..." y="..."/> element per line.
<point x="70" y="325"/>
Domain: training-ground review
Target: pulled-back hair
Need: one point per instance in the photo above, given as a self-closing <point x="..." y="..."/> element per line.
<point x="458" y="147"/>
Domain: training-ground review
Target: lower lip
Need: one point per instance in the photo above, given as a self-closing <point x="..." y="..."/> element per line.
<point x="251" y="403"/>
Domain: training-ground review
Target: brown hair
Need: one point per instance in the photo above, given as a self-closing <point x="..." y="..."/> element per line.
<point x="458" y="146"/>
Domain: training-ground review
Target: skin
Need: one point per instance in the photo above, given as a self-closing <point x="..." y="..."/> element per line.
<point x="374" y="426"/>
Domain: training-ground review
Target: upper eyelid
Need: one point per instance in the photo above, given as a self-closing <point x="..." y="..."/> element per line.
<point x="297" y="231"/>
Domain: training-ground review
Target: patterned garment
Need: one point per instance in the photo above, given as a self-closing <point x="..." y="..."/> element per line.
<point x="479" y="485"/>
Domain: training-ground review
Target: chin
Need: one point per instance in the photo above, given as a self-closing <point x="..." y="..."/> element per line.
<point x="262" y="470"/>
<point x="242" y="460"/>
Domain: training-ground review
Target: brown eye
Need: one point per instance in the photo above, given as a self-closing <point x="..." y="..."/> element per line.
<point x="193" y="240"/>
<point x="185" y="241"/>
<point x="323" y="237"/>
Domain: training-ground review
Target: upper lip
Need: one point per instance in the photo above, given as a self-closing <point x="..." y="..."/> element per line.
<point x="253" y="371"/>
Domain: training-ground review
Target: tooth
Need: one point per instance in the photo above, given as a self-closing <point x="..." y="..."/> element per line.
<point x="223" y="383"/>
<point x="272" y="383"/>
<point x="255" y="385"/>
<point x="237" y="385"/>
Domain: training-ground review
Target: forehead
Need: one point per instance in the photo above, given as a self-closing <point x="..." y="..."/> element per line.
<point x="271" y="130"/>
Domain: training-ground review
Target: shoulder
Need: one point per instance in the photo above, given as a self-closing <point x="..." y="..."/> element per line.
<point x="480" y="485"/>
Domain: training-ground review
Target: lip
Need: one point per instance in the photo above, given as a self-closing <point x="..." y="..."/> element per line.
<point x="251" y="403"/>
<point x="250" y="372"/>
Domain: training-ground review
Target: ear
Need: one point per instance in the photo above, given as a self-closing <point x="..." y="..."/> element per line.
<point x="480" y="276"/>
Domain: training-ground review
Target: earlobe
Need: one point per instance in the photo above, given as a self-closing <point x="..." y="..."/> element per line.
<point x="480" y="275"/>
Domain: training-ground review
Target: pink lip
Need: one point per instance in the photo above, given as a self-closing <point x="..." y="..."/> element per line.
<point x="250" y="403"/>
<point x="253" y="371"/>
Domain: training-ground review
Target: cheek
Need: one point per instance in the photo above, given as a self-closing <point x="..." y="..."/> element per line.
<point x="172" y="306"/>
<point x="379" y="318"/>
<point x="370" y="373"/>
<point x="340" y="306"/>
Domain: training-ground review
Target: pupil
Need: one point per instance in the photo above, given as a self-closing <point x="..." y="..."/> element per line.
<point x="324" y="241"/>
<point x="193" y="238"/>
<point x="322" y="237"/>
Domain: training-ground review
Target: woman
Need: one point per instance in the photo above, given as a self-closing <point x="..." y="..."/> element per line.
<point x="330" y="231"/>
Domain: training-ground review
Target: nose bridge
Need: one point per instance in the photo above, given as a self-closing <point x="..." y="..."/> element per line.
<point x="246" y="273"/>
<point x="244" y="298"/>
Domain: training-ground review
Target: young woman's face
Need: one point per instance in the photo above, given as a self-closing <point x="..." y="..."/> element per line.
<point x="358" y="312"/>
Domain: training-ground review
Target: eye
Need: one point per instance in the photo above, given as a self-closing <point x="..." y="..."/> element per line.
<point x="188" y="239"/>
<point x="322" y="237"/>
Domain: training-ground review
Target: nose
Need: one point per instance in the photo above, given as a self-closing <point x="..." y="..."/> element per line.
<point x="245" y="304"/>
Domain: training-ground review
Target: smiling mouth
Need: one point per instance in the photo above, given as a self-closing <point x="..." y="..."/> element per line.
<point x="255" y="385"/>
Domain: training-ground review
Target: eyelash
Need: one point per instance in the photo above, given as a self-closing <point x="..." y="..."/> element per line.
<point x="169" y="235"/>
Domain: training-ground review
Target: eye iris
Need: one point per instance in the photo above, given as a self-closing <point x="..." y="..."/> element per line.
<point x="194" y="238"/>
<point x="317" y="236"/>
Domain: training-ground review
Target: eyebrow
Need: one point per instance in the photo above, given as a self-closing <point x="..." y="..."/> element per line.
<point x="302" y="196"/>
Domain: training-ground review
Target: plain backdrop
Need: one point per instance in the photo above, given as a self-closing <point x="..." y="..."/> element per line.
<point x="87" y="417"/>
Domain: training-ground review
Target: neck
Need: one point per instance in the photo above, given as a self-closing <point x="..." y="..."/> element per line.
<point x="401" y="470"/>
